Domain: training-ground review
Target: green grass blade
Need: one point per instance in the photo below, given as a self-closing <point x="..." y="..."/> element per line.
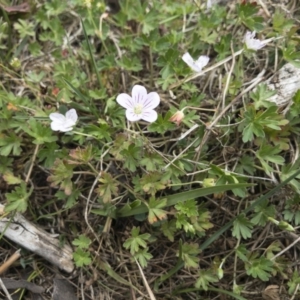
<point x="90" y="107"/>
<point x="220" y="291"/>
<point x="174" y="199"/>
<point x="91" y="54"/>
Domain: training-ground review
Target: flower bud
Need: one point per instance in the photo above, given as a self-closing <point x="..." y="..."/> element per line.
<point x="177" y="117"/>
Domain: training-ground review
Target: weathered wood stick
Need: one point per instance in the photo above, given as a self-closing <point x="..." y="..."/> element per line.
<point x="31" y="237"/>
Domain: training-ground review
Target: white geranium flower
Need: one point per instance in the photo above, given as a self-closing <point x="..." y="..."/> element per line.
<point x="139" y="106"/>
<point x="197" y="65"/>
<point x="251" y="42"/>
<point x="63" y="123"/>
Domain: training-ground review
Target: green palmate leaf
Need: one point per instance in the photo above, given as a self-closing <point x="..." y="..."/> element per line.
<point x="149" y="21"/>
<point x="223" y="47"/>
<point x="242" y="227"/>
<point x="274" y="247"/>
<point x="5" y="164"/>
<point x="49" y="153"/>
<point x="248" y="15"/>
<point x="152" y="182"/>
<point x="18" y="199"/>
<point x="292" y="55"/>
<point x="62" y="174"/>
<point x="155" y="211"/>
<point x="242" y="252"/>
<point x="136" y="241"/>
<point x="290" y="169"/>
<point x="169" y="229"/>
<point x="120" y="143"/>
<point x="132" y="157"/>
<point x="152" y="161"/>
<point x="188" y="208"/>
<point x="261" y="95"/>
<point x="292" y="209"/>
<point x="101" y="131"/>
<point x="252" y="127"/>
<point x="11" y="179"/>
<point x="190" y="255"/>
<point x="130" y="63"/>
<point x="259" y="268"/>
<point x="108" y="187"/>
<point x="280" y="23"/>
<point x="70" y="200"/>
<point x="182" y="221"/>
<point x="162" y="124"/>
<point x="10" y="144"/>
<point x="82" y="242"/>
<point x="81" y="155"/>
<point x="225" y="177"/>
<point x="245" y="165"/>
<point x="256" y="122"/>
<point x="40" y="133"/>
<point x="202" y="222"/>
<point x="268" y="153"/>
<point x="209" y="36"/>
<point x="25" y="28"/>
<point x="143" y="256"/>
<point x="81" y="258"/>
<point x="262" y="212"/>
<point x="206" y="277"/>
<point x="294" y="282"/>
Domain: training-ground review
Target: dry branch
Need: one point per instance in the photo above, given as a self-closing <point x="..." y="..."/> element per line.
<point x="33" y="238"/>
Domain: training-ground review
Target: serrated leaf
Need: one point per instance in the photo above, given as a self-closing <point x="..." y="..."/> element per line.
<point x="81" y="258"/>
<point x="136" y="241"/>
<point x="82" y="242"/>
<point x="259" y="268"/>
<point x="108" y="186"/>
<point x="155" y="211"/>
<point x="242" y="227"/>
<point x="190" y="255"/>
<point x="205" y="277"/>
<point x="11" y="179"/>
<point x="18" y="199"/>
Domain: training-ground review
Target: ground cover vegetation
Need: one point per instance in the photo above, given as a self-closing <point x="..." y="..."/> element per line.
<point x="142" y="134"/>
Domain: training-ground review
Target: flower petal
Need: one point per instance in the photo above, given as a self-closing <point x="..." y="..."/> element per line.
<point x="251" y="42"/>
<point x="125" y="101"/>
<point x="131" y="116"/>
<point x="68" y="123"/>
<point x="55" y="126"/>
<point x="66" y="129"/>
<point x="202" y="61"/>
<point x="151" y="101"/>
<point x="186" y="57"/>
<point x="72" y="115"/>
<point x="139" y="93"/>
<point x="149" y="116"/>
<point x="57" y="117"/>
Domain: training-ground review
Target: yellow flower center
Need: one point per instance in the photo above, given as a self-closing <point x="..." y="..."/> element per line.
<point x="138" y="109"/>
